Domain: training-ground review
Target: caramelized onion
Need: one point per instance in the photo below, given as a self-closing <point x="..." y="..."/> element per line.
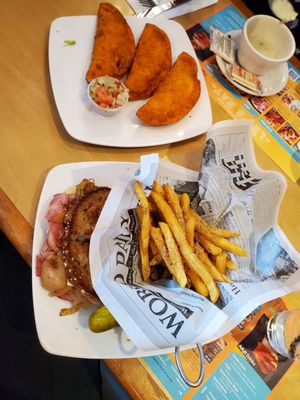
<point x="70" y="310"/>
<point x="53" y="276"/>
<point x="61" y="292"/>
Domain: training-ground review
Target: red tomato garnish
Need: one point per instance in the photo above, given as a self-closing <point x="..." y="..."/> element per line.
<point x="102" y="96"/>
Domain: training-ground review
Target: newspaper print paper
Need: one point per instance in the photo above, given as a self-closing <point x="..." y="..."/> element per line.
<point x="231" y="192"/>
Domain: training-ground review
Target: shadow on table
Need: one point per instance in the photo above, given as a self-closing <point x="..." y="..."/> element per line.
<point x="28" y="372"/>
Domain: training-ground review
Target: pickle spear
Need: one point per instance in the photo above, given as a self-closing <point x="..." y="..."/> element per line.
<point x="101" y="320"/>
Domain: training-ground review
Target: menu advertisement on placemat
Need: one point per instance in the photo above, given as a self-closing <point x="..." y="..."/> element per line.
<point x="276" y="127"/>
<point x="241" y="365"/>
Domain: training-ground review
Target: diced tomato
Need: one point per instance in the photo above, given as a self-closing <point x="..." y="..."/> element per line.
<point x="100" y="90"/>
<point x="102" y="96"/>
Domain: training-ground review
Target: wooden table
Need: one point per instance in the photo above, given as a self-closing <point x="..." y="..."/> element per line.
<point x="33" y="140"/>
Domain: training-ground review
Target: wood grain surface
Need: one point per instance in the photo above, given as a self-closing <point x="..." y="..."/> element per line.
<point x="33" y="140"/>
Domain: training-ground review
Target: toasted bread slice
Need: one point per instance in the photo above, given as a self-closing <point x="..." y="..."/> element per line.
<point x="80" y="221"/>
<point x="87" y="213"/>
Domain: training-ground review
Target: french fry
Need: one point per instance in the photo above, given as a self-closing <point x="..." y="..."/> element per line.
<point x="190" y="231"/>
<point x="139" y="213"/>
<point x="158" y="188"/>
<point x="177" y="265"/>
<point x="144" y="232"/>
<point x="174" y="203"/>
<point x="221" y="262"/>
<point x="185" y="206"/>
<point x="153" y="247"/>
<point x="225" y="244"/>
<point x="209" y="265"/>
<point x="226" y="278"/>
<point x="157" y="237"/>
<point x="225" y="232"/>
<point x="155" y="260"/>
<point x="231" y="265"/>
<point x="197" y="282"/>
<point x="141" y="195"/>
<point x="156" y="256"/>
<point x="189" y="256"/>
<point x="144" y="259"/>
<point x="207" y="244"/>
<point x="206" y="227"/>
<point x="191" y="249"/>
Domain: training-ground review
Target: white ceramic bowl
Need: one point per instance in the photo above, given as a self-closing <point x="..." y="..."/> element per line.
<point x="273" y="36"/>
<point x="108" y="83"/>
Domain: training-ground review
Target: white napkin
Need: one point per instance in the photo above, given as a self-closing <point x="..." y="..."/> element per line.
<point x="185" y="8"/>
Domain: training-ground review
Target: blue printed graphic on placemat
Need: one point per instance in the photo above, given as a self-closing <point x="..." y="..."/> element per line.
<point x="250" y="109"/>
<point x="226" y="20"/>
<point x="293" y="73"/>
<point x="234" y="379"/>
<point x="168" y="375"/>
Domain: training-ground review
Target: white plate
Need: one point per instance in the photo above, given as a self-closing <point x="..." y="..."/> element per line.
<point x="68" y="66"/>
<point x="70" y="335"/>
<point x="272" y="82"/>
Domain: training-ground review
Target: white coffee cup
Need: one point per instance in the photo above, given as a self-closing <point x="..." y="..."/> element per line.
<point x="265" y="44"/>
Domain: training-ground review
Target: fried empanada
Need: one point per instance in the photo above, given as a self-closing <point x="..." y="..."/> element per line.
<point x="176" y="96"/>
<point x="151" y="64"/>
<point x="114" y="45"/>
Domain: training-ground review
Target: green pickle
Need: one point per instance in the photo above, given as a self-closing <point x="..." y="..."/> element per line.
<point x="101" y="320"/>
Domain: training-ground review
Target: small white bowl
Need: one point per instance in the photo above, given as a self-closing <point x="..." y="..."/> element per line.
<point x="108" y="83"/>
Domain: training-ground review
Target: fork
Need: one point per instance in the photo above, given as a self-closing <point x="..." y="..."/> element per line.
<point x="149" y="3"/>
<point x="146" y="3"/>
<point x="143" y="13"/>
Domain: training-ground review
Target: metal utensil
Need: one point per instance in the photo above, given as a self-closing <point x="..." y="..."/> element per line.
<point x="156" y="10"/>
<point x="148" y="3"/>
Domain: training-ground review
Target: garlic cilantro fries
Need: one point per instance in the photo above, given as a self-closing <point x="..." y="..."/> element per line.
<point x="175" y="237"/>
<point x="177" y="264"/>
